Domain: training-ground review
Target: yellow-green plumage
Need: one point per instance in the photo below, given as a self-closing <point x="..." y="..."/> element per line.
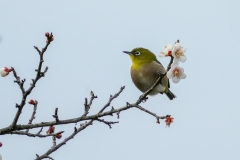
<point x="144" y="72"/>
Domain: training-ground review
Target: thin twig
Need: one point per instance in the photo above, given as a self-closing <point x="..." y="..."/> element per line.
<point x="111" y="98"/>
<point x="40" y="130"/>
<point x="87" y="105"/>
<point x="49" y="157"/>
<point x="109" y="123"/>
<point x="151" y="113"/>
<point x="56" y="115"/>
<point x="18" y="81"/>
<point x="33" y="115"/>
<point x="34" y="135"/>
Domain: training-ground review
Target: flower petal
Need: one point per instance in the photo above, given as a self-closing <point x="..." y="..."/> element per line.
<point x="3" y="73"/>
<point x="169" y="74"/>
<point x="162" y="54"/>
<point x="173" y="65"/>
<point x="183" y="49"/>
<point x="175" y="79"/>
<point x="183" y="58"/>
<point x="181" y="69"/>
<point x="165" y="50"/>
<point x="183" y="76"/>
<point x="177" y="46"/>
<point x="175" y="60"/>
<point x="170" y="46"/>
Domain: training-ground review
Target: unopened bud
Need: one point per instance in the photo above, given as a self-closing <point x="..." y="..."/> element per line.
<point x="31" y="101"/>
<point x="58" y="136"/>
<point x="4" y="71"/>
<point x="1" y="144"/>
<point x="50" y="130"/>
<point x="47" y="34"/>
<point x="169" y="53"/>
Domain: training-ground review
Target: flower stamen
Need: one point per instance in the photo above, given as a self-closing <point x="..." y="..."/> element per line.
<point x="176" y="72"/>
<point x="179" y="53"/>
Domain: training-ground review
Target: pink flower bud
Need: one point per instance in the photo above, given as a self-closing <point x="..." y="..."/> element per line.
<point x="169" y="53"/>
<point x="5" y="71"/>
<point x="31" y="101"/>
<point x="47" y="34"/>
<point x="50" y="130"/>
<point x="1" y="144"/>
<point x="58" y="136"/>
<point x="168" y="120"/>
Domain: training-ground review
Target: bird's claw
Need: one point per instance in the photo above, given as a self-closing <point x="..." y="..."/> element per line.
<point x="143" y="99"/>
<point x="159" y="73"/>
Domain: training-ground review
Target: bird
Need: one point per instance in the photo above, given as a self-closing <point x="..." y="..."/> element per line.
<point x="145" y="71"/>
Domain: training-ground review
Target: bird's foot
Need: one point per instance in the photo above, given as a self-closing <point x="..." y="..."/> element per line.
<point x="159" y="73"/>
<point x="143" y="99"/>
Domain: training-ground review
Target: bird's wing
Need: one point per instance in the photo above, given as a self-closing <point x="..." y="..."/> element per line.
<point x="163" y="67"/>
<point x="158" y="62"/>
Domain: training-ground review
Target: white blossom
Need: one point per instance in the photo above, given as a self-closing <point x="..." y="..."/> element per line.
<point x="178" y="53"/>
<point x="167" y="51"/>
<point x="176" y="73"/>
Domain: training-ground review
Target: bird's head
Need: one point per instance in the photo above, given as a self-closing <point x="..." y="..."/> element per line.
<point x="140" y="56"/>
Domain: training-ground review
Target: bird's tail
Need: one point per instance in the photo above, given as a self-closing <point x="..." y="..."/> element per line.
<point x="170" y="95"/>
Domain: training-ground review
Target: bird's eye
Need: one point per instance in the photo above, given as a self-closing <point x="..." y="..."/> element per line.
<point x="137" y="53"/>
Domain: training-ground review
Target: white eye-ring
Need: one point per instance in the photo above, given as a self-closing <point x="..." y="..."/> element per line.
<point x="137" y="53"/>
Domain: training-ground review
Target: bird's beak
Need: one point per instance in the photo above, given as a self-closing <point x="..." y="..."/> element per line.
<point x="127" y="52"/>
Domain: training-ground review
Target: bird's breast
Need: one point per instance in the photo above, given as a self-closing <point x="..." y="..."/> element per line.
<point x="145" y="76"/>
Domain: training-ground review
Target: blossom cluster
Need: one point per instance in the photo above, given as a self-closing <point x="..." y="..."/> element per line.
<point x="177" y="52"/>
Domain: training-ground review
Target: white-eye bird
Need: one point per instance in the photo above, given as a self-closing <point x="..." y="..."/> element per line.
<point x="145" y="71"/>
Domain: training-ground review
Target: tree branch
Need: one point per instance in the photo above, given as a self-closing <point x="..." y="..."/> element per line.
<point x="78" y="119"/>
<point x="38" y="76"/>
<point x="34" y="135"/>
<point x="15" y="128"/>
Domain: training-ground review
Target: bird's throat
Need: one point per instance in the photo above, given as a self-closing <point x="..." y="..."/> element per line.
<point x="137" y="63"/>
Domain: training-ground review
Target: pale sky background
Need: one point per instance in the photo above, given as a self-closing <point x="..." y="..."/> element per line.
<point x="87" y="55"/>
